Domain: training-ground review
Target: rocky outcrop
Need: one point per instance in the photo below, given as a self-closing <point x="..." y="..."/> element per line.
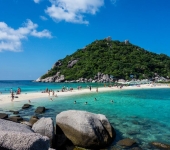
<point x="57" y="64"/>
<point x="40" y="110"/>
<point x="56" y="78"/>
<point x="45" y="127"/>
<point x="72" y="63"/>
<point x="86" y="129"/>
<point x="18" y="136"/>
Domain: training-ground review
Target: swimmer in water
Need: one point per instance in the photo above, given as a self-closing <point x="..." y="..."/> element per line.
<point x="111" y="101"/>
<point x="74" y="102"/>
<point x="95" y="99"/>
<point x="85" y="103"/>
<point x="51" y="99"/>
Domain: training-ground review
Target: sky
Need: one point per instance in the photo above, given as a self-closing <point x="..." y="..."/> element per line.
<point x="34" y="34"/>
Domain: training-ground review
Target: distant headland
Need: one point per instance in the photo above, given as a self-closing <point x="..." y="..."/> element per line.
<point x="108" y="60"/>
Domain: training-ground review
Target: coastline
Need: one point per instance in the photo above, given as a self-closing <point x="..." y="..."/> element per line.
<point x="6" y="98"/>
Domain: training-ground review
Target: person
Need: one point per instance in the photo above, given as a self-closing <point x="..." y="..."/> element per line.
<point x="90" y="87"/>
<point x="111" y="101"/>
<point x="53" y="93"/>
<point x="85" y="103"/>
<point x="12" y="96"/>
<point x="74" y="102"/>
<point x="95" y="99"/>
<point x="51" y="99"/>
<point x="97" y="89"/>
<point x="29" y="101"/>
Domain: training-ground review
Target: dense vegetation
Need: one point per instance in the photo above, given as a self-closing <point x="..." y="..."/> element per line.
<point x="114" y="58"/>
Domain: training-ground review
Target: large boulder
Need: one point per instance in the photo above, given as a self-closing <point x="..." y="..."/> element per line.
<point x="15" y="136"/>
<point x="45" y="127"/>
<point x="40" y="110"/>
<point x="86" y="129"/>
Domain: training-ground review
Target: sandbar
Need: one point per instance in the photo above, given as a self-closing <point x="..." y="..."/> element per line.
<point x="6" y="98"/>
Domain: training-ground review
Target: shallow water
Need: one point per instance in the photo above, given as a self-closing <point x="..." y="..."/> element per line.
<point x="143" y="115"/>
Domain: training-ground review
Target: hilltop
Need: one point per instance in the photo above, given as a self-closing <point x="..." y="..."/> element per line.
<point x="105" y="60"/>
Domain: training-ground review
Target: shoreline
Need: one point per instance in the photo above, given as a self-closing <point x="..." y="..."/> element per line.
<point x="6" y="98"/>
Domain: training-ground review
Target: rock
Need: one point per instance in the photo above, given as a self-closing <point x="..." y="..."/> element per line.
<point x="25" y="106"/>
<point x="15" y="136"/>
<point x="133" y="132"/>
<point x="86" y="129"/>
<point x="22" y="141"/>
<point x="161" y="145"/>
<point x="57" y="64"/>
<point x="26" y="123"/>
<point x="3" y="116"/>
<point x="136" y="148"/>
<point x="33" y="119"/>
<point x="45" y="127"/>
<point x="14" y="112"/>
<point x="126" y="142"/>
<point x="17" y="119"/>
<point x="40" y="110"/>
<point x="61" y="78"/>
<point x="72" y="63"/>
<point x="38" y="80"/>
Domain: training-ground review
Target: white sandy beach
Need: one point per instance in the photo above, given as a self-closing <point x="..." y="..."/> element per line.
<point x="6" y="98"/>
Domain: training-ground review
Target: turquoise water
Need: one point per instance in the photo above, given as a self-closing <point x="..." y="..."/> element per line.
<point x="143" y="115"/>
<point x="29" y="86"/>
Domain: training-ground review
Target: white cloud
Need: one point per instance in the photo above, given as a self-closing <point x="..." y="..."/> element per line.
<point x="11" y="39"/>
<point x="43" y="18"/>
<point x="37" y="1"/>
<point x="73" y="10"/>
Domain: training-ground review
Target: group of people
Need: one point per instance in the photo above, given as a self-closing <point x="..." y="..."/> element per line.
<point x="17" y="92"/>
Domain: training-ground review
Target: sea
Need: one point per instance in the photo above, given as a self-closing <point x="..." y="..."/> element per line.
<point x="142" y="115"/>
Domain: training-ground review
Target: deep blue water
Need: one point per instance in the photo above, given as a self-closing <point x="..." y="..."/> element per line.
<point x="143" y="115"/>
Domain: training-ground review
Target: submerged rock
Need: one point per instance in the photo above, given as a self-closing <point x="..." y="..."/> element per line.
<point x="25" y="106"/>
<point x="14" y="112"/>
<point x="86" y="129"/>
<point x="161" y="145"/>
<point x="126" y="142"/>
<point x="3" y="116"/>
<point x="40" y="110"/>
<point x="17" y="119"/>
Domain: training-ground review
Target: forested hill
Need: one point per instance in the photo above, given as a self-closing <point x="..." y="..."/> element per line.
<point x="115" y="58"/>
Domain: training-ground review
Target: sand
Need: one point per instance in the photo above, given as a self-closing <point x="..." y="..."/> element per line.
<point x="6" y="98"/>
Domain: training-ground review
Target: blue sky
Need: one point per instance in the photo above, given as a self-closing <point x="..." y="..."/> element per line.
<point x="34" y="34"/>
